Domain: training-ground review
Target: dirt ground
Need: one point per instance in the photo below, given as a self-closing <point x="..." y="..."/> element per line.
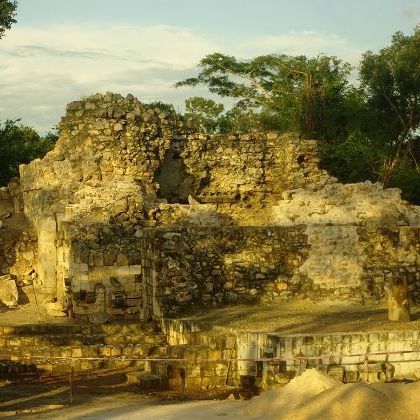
<point x="29" y="314"/>
<point x="308" y="400"/>
<point x="108" y="396"/>
<point x="301" y="317"/>
<point x="293" y="317"/>
<point x="97" y="396"/>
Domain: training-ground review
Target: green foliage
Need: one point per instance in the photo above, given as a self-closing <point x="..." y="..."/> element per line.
<point x="203" y="114"/>
<point x="365" y="132"/>
<point x="291" y="93"/>
<point x="391" y="79"/>
<point x="21" y="144"/>
<point x="408" y="180"/>
<point x="7" y="15"/>
<point x="161" y="106"/>
<point x="241" y="119"/>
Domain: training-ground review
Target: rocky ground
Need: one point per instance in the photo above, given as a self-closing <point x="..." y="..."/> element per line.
<point x="306" y="316"/>
<point x="291" y="317"/>
<point x="309" y="396"/>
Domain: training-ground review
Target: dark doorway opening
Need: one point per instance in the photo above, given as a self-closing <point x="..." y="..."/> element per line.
<point x="175" y="183"/>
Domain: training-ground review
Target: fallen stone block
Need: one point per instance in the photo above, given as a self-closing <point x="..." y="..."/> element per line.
<point x="8" y="291"/>
<point x="100" y="318"/>
<point x="145" y="380"/>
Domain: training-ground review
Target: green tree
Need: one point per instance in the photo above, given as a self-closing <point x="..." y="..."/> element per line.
<point x="20" y="144"/>
<point x="391" y="80"/>
<point x="203" y="114"/>
<point x="7" y="15"/>
<point x="161" y="106"/>
<point x="289" y="93"/>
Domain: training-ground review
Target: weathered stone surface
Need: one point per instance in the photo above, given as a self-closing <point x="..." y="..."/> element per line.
<point x="135" y="214"/>
<point x="398" y="303"/>
<point x="8" y="291"/>
<point x="100" y="318"/>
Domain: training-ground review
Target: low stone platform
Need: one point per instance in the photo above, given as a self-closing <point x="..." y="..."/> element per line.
<point x="224" y="346"/>
<point x="305" y="317"/>
<point x="273" y="344"/>
<point x="55" y="348"/>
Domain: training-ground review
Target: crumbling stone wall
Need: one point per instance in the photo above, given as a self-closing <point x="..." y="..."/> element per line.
<point x="120" y="170"/>
<point x="18" y="244"/>
<point x="185" y="268"/>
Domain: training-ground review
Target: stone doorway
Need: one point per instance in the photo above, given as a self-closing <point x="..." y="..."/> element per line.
<point x="175" y="183"/>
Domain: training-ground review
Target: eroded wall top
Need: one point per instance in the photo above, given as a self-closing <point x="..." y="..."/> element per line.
<point x="118" y="159"/>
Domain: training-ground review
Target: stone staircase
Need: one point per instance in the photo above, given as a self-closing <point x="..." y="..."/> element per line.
<point x="190" y="355"/>
<point x="198" y="356"/>
<point x="54" y="349"/>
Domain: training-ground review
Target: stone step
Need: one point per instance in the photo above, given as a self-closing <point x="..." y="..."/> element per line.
<point x="26" y="340"/>
<point x="214" y="340"/>
<point x="91" y="351"/>
<point x="145" y="381"/>
<point x="60" y="329"/>
<point x="55" y="360"/>
<point x="193" y="353"/>
<point x="16" y="368"/>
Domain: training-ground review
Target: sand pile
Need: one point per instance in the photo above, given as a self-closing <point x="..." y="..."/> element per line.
<point x="353" y="401"/>
<point x="314" y="395"/>
<point x="282" y="400"/>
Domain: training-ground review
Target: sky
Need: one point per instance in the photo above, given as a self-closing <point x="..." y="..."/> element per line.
<point x="62" y="50"/>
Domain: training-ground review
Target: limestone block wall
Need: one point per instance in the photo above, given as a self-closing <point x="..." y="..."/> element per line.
<point x="110" y="289"/>
<point x="11" y="198"/>
<point x="230" y="168"/>
<point x="97" y="176"/>
<point x="100" y="268"/>
<point x="254" y="345"/>
<point x="259" y="219"/>
<point x="390" y="254"/>
<point x="220" y="265"/>
<point x="120" y="166"/>
<point x="107" y="142"/>
<point x="11" y="201"/>
<point x="186" y="267"/>
<point x="18" y="242"/>
<point x="342" y="354"/>
<point x="365" y="204"/>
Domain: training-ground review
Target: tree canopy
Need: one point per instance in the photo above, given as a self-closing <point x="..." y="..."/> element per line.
<point x="291" y="93"/>
<point x="7" y="15"/>
<point x="366" y="130"/>
<point x="391" y="79"/>
<point x="203" y="114"/>
<point x="20" y="144"/>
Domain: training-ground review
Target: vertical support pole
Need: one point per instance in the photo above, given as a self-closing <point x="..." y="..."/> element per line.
<point x="366" y="366"/>
<point x="398" y="306"/>
<point x="183" y="374"/>
<point x="71" y="384"/>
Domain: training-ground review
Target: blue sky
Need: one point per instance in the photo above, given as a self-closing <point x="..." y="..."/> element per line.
<point x="61" y="49"/>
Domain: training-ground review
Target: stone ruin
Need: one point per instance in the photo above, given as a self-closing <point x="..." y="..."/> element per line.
<point x="132" y="214"/>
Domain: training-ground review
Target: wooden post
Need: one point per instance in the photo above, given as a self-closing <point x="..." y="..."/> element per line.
<point x="71" y="384"/>
<point x="398" y="306"/>
<point x="366" y="367"/>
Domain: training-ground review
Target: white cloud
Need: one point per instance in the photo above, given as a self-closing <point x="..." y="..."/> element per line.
<point x="42" y="69"/>
<point x="309" y="43"/>
<point x="412" y="12"/>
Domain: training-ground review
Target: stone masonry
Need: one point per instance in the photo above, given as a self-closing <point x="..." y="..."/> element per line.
<point x="132" y="213"/>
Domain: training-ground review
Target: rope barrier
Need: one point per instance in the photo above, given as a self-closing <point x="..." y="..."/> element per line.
<point x="263" y="359"/>
<point x="33" y="397"/>
<point x="300" y="359"/>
